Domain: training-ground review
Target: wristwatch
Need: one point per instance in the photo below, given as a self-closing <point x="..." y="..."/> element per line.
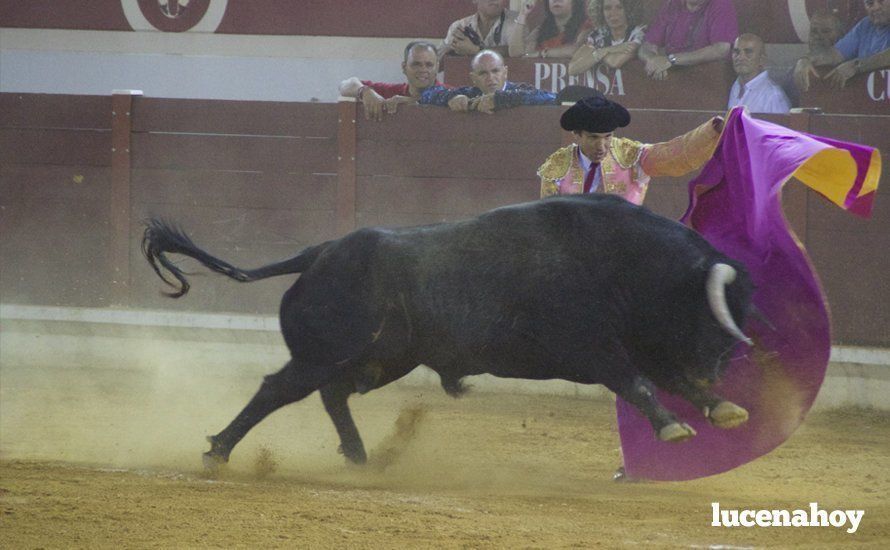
<point x="672" y="59"/>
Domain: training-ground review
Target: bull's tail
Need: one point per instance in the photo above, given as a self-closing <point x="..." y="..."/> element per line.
<point x="161" y="238"/>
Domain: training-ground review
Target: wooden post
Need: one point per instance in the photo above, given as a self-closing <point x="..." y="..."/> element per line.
<point x="121" y="127"/>
<point x="346" y="172"/>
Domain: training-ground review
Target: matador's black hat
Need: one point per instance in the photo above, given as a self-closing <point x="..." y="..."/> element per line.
<point x="595" y="114"/>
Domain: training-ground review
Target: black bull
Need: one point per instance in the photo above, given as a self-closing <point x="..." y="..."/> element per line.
<point x="590" y="289"/>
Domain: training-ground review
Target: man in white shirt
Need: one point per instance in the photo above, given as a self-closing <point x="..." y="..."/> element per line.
<point x="753" y="88"/>
<point x="489" y="28"/>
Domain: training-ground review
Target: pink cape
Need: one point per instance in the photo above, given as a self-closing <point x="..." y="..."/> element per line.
<point x="735" y="203"/>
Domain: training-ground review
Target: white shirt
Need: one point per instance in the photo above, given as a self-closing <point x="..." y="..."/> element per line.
<point x="761" y="95"/>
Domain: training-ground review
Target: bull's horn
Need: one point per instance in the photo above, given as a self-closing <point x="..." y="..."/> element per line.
<point x="720" y="276"/>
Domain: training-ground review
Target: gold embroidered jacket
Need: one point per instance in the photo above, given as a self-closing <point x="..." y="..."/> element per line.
<point x="627" y="168"/>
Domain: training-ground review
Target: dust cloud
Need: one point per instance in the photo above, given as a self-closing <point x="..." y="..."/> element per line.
<point x="152" y="409"/>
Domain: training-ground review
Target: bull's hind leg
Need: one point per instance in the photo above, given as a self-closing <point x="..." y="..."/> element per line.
<point x="640" y="393"/>
<point x="335" y="396"/>
<point x="375" y="374"/>
<point x="285" y="386"/>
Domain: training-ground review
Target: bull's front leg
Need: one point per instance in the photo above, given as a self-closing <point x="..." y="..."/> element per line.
<point x="719" y="412"/>
<point x="640" y="392"/>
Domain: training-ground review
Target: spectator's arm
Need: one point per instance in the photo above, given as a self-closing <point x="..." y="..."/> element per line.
<point x="522" y="41"/>
<point x="713" y="52"/>
<point x="648" y="51"/>
<point x="619" y="54"/>
<point x="656" y="63"/>
<point x="839" y="76"/>
<point x="516" y="46"/>
<point x="879" y="60"/>
<point x="613" y="56"/>
<point x="350" y="87"/>
<point x="445" y="47"/>
<point x="366" y="95"/>
<point x="525" y="95"/>
<point x="439" y="95"/>
<point x="585" y="58"/>
<point x="520" y="36"/>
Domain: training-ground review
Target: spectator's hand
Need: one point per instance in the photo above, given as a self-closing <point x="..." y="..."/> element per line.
<point x="459" y="104"/>
<point x="717" y="123"/>
<point x="839" y="76"/>
<point x="485" y="104"/>
<point x="373" y="103"/>
<point x="657" y="67"/>
<point x="391" y="105"/>
<point x="803" y="70"/>
<point x="462" y="45"/>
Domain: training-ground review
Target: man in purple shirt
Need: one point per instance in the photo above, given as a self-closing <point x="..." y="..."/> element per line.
<point x="689" y="32"/>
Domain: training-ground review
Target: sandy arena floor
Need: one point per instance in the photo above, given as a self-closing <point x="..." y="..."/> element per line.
<point x="111" y="458"/>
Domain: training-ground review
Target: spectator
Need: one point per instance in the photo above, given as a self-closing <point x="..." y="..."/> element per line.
<point x="865" y="48"/>
<point x="688" y="32"/>
<point x="825" y="30"/>
<point x="753" y="88"/>
<point x="491" y="91"/>
<point x="420" y="66"/>
<point x="603" y="163"/>
<point x="617" y="35"/>
<point x="489" y="28"/>
<point x="555" y="36"/>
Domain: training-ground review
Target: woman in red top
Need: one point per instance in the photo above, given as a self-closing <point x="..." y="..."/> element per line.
<point x="555" y="36"/>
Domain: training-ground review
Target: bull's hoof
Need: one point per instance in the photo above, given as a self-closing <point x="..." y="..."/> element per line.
<point x="213" y="463"/>
<point x="676" y="432"/>
<point x="728" y="415"/>
<point x="214" y="459"/>
<point x="354" y="455"/>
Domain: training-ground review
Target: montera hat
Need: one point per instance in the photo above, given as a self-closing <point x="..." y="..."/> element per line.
<point x="595" y="114"/>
